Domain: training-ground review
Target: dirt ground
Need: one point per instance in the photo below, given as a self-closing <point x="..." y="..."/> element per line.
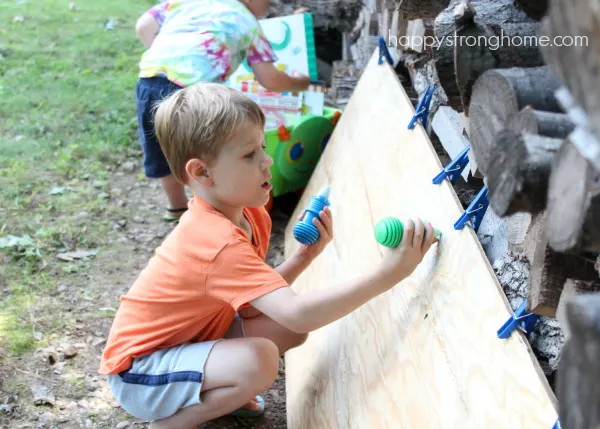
<point x="58" y="386"/>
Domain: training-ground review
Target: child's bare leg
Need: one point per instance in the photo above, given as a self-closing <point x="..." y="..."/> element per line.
<point x="264" y="327"/>
<point x="175" y="193"/>
<point x="235" y="372"/>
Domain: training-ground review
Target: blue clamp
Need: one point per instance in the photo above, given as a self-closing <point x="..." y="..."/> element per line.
<point x="383" y="52"/>
<point x="454" y="169"/>
<point x="475" y="211"/>
<point x="519" y="319"/>
<point x="422" y="110"/>
<point x="557" y="425"/>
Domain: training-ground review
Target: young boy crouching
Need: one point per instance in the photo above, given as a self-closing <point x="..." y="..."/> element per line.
<point x="200" y="332"/>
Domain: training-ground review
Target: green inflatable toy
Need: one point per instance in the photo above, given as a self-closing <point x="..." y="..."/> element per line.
<point x="296" y="150"/>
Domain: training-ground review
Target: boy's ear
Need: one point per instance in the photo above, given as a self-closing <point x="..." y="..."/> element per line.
<point x="197" y="170"/>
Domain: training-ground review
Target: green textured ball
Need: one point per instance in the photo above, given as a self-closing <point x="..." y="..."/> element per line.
<point x="390" y="230"/>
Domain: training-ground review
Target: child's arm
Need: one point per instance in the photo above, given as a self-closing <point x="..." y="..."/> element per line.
<point x="310" y="311"/>
<point x="292" y="267"/>
<point x="277" y="81"/>
<point x="147" y="28"/>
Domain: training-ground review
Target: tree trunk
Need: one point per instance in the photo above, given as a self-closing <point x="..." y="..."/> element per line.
<point x="575" y="24"/>
<point x="488" y="12"/>
<point x="548" y="124"/>
<point x="578" y="390"/>
<point x="419" y="9"/>
<point x="517" y="180"/>
<point x="535" y="9"/>
<point x="500" y="94"/>
<point x="573" y="202"/>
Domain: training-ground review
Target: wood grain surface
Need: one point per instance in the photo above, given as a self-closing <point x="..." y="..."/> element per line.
<point x="425" y="354"/>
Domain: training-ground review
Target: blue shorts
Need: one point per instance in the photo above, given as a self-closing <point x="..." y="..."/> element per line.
<point x="157" y="385"/>
<point x="148" y="92"/>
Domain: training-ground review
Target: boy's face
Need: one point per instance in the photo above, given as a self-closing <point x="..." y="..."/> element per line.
<point x="241" y="173"/>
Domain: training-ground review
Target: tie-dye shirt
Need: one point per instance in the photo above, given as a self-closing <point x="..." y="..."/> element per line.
<point x="203" y="41"/>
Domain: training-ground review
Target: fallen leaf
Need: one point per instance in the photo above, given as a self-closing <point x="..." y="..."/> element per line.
<point x="79" y="254"/>
<point x="41" y="394"/>
<point x="70" y="352"/>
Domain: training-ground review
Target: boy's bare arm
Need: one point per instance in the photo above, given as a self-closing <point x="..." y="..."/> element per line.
<point x="310" y="311"/>
<point x="307" y="312"/>
<point x="277" y="81"/>
<point x="147" y="29"/>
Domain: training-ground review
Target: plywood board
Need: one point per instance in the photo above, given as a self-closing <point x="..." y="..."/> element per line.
<point x="424" y="354"/>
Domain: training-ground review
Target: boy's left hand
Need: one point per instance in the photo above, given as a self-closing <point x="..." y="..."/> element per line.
<point x="325" y="227"/>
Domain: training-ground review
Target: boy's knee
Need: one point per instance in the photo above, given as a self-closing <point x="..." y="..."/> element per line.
<point x="265" y="362"/>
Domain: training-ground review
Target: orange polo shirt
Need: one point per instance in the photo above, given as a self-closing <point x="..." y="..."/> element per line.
<point x="191" y="289"/>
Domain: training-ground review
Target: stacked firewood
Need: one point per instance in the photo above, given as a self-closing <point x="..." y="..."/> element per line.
<point x="525" y="74"/>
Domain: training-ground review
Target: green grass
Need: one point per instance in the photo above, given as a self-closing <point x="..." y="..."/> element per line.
<point x="67" y="112"/>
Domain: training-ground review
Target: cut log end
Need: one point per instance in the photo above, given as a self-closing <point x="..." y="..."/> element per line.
<point x="500" y="94"/>
<point x="573" y="202"/>
<point x="548" y="124"/>
<point x="518" y="178"/>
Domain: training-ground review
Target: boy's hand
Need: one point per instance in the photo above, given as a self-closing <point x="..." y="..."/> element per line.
<point x="400" y="262"/>
<point x="325" y="227"/>
<point x="303" y="82"/>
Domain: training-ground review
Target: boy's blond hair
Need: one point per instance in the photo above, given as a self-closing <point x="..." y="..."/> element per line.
<point x="196" y="121"/>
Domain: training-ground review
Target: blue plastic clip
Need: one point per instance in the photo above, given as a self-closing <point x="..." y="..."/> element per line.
<point x="383" y="52"/>
<point x="454" y="169"/>
<point x="475" y="211"/>
<point x="519" y="319"/>
<point x="422" y="110"/>
<point x="557" y="425"/>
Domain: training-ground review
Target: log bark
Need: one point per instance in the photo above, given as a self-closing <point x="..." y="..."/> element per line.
<point x="549" y="124"/>
<point x="340" y="15"/>
<point x="573" y="202"/>
<point x="549" y="273"/>
<point x="523" y="153"/>
<point x="483" y="47"/>
<point x="518" y="178"/>
<point x="572" y="289"/>
<point x="500" y="94"/>
<point x="419" y="9"/>
<point x="535" y="9"/>
<point x="488" y="13"/>
<point x="576" y="26"/>
<point x="578" y="390"/>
